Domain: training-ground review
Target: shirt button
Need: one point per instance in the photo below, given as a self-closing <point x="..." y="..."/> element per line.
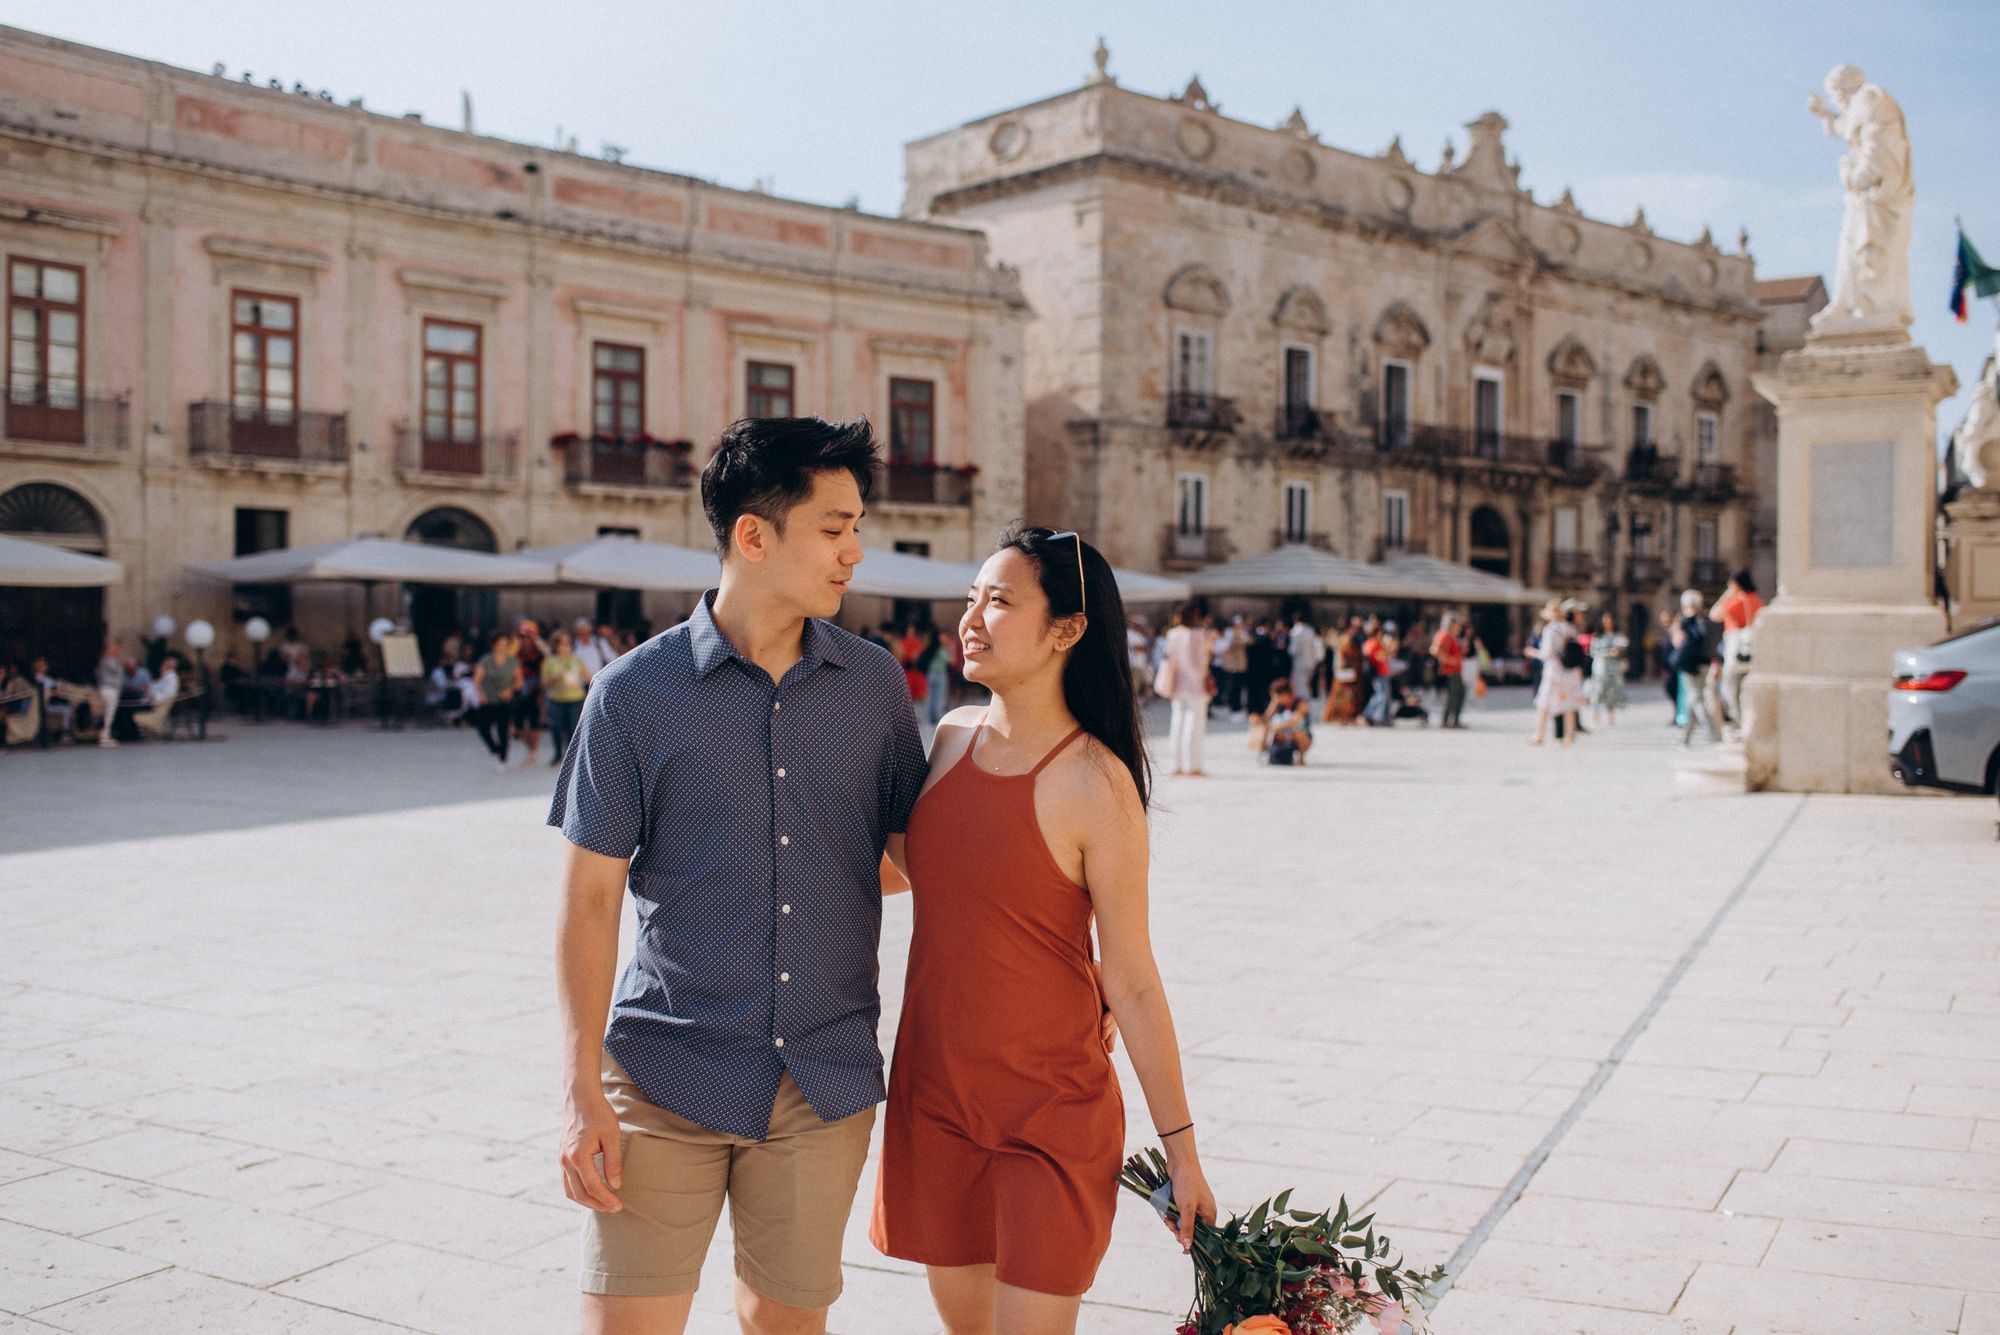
<point x="785" y="839"/>
<point x="784" y="978"/>
<point x="777" y="704"/>
<point x="784" y="908"/>
<point x="780" y="1042"/>
<point x="781" y="771"/>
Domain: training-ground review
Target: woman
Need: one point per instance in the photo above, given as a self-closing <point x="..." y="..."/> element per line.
<point x="1607" y="671"/>
<point x="1005" y="1128"/>
<point x="1286" y="725"/>
<point x="529" y="651"/>
<point x="1561" y="690"/>
<point x="564" y="677"/>
<point x="1184" y="679"/>
<point x="1737" y="611"/>
<point x="497" y="677"/>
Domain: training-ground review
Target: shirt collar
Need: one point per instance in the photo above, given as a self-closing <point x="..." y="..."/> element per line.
<point x="818" y="642"/>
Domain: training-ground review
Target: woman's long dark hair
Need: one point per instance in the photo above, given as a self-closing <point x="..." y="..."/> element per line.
<point x="1097" y="680"/>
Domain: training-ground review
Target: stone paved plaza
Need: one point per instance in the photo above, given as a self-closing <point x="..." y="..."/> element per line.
<point x="278" y="1047"/>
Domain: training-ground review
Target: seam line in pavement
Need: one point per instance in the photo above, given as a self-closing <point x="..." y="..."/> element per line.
<point x="1606" y="1068"/>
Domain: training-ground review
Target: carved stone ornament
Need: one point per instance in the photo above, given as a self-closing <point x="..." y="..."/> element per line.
<point x="1295" y="125"/>
<point x="1394" y="154"/>
<point x="1571" y="363"/>
<point x="1567" y="204"/>
<point x="1644" y="378"/>
<point x="1196" y="289"/>
<point x="1398" y="194"/>
<point x="1639" y="256"/>
<point x="1194" y="95"/>
<point x="1195" y="138"/>
<point x="1100" y="61"/>
<point x="1569" y="239"/>
<point x="1639" y="223"/>
<point x="1299" y="167"/>
<point x="1400" y="333"/>
<point x="1489" y="338"/>
<point x="1008" y="140"/>
<point x="1975" y="445"/>
<point x="1710" y="389"/>
<point x="1301" y="309"/>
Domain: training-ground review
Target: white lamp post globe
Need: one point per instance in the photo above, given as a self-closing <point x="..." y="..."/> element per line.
<point x="257" y="630"/>
<point x="380" y="627"/>
<point x="200" y="634"/>
<point x="163" y="626"/>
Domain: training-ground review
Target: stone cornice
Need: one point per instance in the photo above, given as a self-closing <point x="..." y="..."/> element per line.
<point x="260" y="252"/>
<point x="14" y="210"/>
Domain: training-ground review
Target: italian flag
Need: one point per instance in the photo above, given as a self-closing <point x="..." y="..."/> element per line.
<point x="1972" y="272"/>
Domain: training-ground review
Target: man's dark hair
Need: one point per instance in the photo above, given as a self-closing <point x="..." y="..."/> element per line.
<point x="764" y="466"/>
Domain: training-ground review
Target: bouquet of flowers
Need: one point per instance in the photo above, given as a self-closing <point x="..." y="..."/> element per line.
<point x="1280" y="1271"/>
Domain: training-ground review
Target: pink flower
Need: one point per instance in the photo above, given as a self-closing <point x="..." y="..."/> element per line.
<point x="1344" y="1287"/>
<point x="1390" y="1319"/>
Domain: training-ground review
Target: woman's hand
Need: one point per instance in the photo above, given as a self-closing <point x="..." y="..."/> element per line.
<point x="1192" y="1198"/>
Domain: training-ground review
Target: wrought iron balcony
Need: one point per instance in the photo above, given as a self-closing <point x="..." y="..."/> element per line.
<point x="1708" y="573"/>
<point x="1281" y="538"/>
<point x="1571" y="569"/>
<point x="1298" y="422"/>
<point x="634" y="461"/>
<point x="1645" y="572"/>
<point x="1181" y="548"/>
<point x="225" y="431"/>
<point x="493" y="458"/>
<point x="1202" y="412"/>
<point x="1715" y="480"/>
<point x="1645" y="466"/>
<point x="1386" y="550"/>
<point x="925" y="483"/>
<point x="97" y="422"/>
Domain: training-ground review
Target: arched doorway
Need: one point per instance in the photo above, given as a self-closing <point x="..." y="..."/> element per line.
<point x="64" y="625"/>
<point x="1490" y="547"/>
<point x="436" y="610"/>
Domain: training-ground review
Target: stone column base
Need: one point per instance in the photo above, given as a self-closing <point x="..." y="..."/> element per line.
<point x="1972" y="533"/>
<point x="1817" y="694"/>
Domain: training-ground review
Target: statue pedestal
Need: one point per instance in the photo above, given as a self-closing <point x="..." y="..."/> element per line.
<point x="1857" y="488"/>
<point x="1972" y="568"/>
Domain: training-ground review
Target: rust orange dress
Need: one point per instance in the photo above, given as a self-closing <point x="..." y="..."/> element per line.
<point x="1005" y="1129"/>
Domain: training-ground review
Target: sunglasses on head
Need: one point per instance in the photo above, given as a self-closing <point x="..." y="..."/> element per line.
<point x="1071" y="533"/>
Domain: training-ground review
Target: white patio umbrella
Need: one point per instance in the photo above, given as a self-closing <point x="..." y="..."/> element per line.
<point x="1297" y="570"/>
<point x="377" y="561"/>
<point x="886" y="573"/>
<point x="624" y="562"/>
<point x="1449" y="582"/>
<point x="26" y="564"/>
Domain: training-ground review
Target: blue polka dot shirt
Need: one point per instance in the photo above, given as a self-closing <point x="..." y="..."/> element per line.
<point x="754" y="817"/>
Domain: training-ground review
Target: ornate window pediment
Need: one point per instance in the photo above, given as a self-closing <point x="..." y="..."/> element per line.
<point x="1489" y="338"/>
<point x="1572" y="363"/>
<point x="1196" y="289"/>
<point x="1400" y="333"/>
<point x="1644" y="378"/>
<point x="1301" y="309"/>
<point x="1710" y="389"/>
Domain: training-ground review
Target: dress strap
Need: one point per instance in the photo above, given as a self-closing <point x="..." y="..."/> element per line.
<point x="1055" y="751"/>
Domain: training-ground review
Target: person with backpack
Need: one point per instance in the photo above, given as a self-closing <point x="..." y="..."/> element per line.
<point x="1560" y="693"/>
<point x="1690" y="664"/>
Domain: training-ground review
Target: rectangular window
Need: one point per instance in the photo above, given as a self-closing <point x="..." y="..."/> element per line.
<point x="1193" y="374"/>
<point x="1192" y="492"/>
<point x="1704" y="438"/>
<point x="1566" y="528"/>
<point x="263" y="357"/>
<point x="1395" y="403"/>
<point x="617" y="390"/>
<point x="1298" y="511"/>
<point x="1642" y="425"/>
<point x="1486" y="410"/>
<point x="1298" y="379"/>
<point x="767" y="390"/>
<point x="452" y="365"/>
<point x="1395" y="520"/>
<point x="262" y="531"/>
<point x="1569" y="416"/>
<point x="1642" y="535"/>
<point x="1704" y="540"/>
<point x="912" y="421"/>
<point x="44" y="351"/>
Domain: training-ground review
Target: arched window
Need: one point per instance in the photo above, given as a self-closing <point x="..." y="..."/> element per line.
<point x="449" y="526"/>
<point x="46" y="512"/>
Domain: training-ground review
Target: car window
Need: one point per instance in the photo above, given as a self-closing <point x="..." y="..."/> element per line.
<point x="1990" y="626"/>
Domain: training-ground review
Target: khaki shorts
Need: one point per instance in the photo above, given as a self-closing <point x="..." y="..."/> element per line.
<point x="789" y="1196"/>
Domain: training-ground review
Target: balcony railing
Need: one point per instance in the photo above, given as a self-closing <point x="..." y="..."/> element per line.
<point x="1179" y="547"/>
<point x="1386" y="550"/>
<point x="1571" y="568"/>
<point x="1298" y="422"/>
<point x="640" y="461"/>
<point x="925" y="483"/>
<point x="1282" y="538"/>
<point x="1202" y="412"/>
<point x="96" y="422"/>
<point x="1716" y="480"/>
<point x="1645" y="466"/>
<point x="492" y="458"/>
<point x="1472" y="445"/>
<point x="1645" y="572"/>
<point x="224" y="431"/>
<point x="1707" y="573"/>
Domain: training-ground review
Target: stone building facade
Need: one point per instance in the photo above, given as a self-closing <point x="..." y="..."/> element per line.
<point x="1245" y="337"/>
<point x="245" y="318"/>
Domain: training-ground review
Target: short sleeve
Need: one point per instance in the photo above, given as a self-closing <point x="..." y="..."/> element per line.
<point x="904" y="766"/>
<point x="600" y="797"/>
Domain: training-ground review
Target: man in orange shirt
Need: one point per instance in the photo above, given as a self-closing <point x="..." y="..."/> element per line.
<point x="1737" y="610"/>
<point x="1449" y="651"/>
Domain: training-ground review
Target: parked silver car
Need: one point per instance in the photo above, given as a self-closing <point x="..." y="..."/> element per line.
<point x="1944" y="712"/>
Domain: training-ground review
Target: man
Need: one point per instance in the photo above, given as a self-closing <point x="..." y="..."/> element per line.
<point x="1303" y="644"/>
<point x="593" y="653"/>
<point x="743" y="773"/>
<point x="1690" y="663"/>
<point x="1449" y="651"/>
<point x="110" y="686"/>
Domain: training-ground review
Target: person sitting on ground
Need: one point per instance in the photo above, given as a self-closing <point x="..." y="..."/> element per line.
<point x="1287" y="725"/>
<point x="160" y="696"/>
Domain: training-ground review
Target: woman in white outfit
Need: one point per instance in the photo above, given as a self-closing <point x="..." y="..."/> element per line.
<point x="1184" y="679"/>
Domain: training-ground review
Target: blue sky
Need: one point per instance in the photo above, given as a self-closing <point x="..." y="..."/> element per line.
<point x="1694" y="109"/>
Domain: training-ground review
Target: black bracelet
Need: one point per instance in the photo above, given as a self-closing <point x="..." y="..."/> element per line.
<point x="1165" y="1134"/>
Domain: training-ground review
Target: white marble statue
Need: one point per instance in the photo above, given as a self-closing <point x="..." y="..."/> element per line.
<point x="1975" y="445"/>
<point x="1871" y="280"/>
